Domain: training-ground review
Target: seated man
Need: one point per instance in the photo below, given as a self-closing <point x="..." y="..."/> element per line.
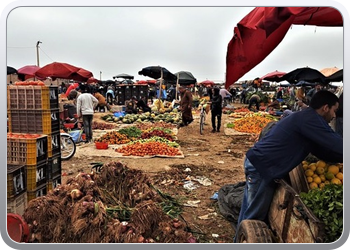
<point x="275" y="104"/>
<point x="142" y="104"/>
<point x="131" y="106"/>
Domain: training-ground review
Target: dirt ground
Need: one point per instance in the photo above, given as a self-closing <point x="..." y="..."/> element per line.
<point x="216" y="158"/>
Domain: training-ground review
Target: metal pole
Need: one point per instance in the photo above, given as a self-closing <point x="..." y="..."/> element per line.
<point x="37" y="53"/>
<point x="100" y="75"/>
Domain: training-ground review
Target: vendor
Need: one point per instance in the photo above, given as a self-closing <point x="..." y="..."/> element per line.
<point x="142" y="104"/>
<point x="131" y="106"/>
<point x="275" y="104"/>
<point x="102" y="103"/>
<point x="254" y="100"/>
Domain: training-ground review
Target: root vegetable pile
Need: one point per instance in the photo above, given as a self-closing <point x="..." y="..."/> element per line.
<point x="116" y="205"/>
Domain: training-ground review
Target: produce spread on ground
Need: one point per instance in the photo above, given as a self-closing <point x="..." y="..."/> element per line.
<point x="153" y="182"/>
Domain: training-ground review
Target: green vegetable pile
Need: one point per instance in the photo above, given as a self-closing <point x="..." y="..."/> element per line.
<point x="327" y="205"/>
<point x="157" y="139"/>
<point x="131" y="132"/>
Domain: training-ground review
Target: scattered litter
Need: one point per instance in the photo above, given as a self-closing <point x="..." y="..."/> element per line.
<point x="229" y="150"/>
<point x="221" y="162"/>
<point x="215" y="235"/>
<point x="189" y="185"/>
<point x="215" y="196"/>
<point x="187" y="170"/>
<point x="193" y="154"/>
<point x="203" y="180"/>
<point x="207" y="216"/>
<point x="192" y="203"/>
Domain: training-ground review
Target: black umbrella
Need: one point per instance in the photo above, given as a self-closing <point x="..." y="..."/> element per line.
<point x="11" y="70"/>
<point x="304" y="74"/>
<point x="305" y="83"/>
<point x="185" y="78"/>
<point x="155" y="72"/>
<point x="335" y="77"/>
<point x="123" y="75"/>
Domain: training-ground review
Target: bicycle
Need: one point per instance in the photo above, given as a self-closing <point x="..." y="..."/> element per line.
<point x="68" y="143"/>
<point x="202" y="118"/>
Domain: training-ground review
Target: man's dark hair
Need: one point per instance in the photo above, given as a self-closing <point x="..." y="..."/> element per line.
<point x="323" y="97"/>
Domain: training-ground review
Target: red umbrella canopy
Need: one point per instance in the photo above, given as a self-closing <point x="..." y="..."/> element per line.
<point x="27" y="72"/>
<point x="57" y="70"/>
<point x="259" y="33"/>
<point x="81" y="75"/>
<point x="207" y="83"/>
<point x="273" y="76"/>
<point x="92" y="80"/>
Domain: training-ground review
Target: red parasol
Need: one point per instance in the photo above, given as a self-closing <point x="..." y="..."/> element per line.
<point x="57" y="70"/>
<point x="64" y="71"/>
<point x="27" y="72"/>
<point x="259" y="32"/>
<point x="273" y="76"/>
<point x="92" y="80"/>
<point x="207" y="83"/>
<point x="81" y="75"/>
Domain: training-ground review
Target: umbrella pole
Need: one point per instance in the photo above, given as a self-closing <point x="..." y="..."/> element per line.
<point x="160" y="83"/>
<point x="177" y="86"/>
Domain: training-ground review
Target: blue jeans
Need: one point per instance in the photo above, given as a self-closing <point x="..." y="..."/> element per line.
<point x="257" y="197"/>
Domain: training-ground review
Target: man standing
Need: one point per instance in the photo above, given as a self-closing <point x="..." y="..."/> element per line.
<point x="86" y="104"/>
<point x="186" y="106"/>
<point x="216" y="111"/>
<point x="225" y="95"/>
<point x="284" y="147"/>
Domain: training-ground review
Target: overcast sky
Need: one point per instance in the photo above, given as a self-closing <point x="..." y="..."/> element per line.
<point x="117" y="40"/>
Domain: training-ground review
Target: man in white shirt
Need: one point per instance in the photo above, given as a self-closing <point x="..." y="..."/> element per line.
<point x="224" y="94"/>
<point x="86" y="104"/>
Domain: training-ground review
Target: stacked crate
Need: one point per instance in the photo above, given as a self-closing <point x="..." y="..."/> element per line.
<point x="33" y="140"/>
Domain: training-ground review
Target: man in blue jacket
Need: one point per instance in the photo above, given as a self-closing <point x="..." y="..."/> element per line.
<point x="284" y="147"/>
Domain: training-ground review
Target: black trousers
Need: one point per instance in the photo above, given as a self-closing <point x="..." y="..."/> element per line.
<point x="216" y="116"/>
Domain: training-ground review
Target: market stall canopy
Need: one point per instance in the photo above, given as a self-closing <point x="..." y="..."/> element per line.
<point x="81" y="75"/>
<point x="123" y="75"/>
<point x="92" y="80"/>
<point x="329" y="71"/>
<point x="305" y="83"/>
<point x="207" y="83"/>
<point x="260" y="32"/>
<point x="63" y="70"/>
<point x="185" y="78"/>
<point x="304" y="74"/>
<point x="336" y="77"/>
<point x="273" y="76"/>
<point x="27" y="72"/>
<point x="156" y="72"/>
<point x="11" y="70"/>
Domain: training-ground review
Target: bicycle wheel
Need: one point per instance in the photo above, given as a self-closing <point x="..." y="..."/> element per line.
<point x="201" y="123"/>
<point x="68" y="147"/>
